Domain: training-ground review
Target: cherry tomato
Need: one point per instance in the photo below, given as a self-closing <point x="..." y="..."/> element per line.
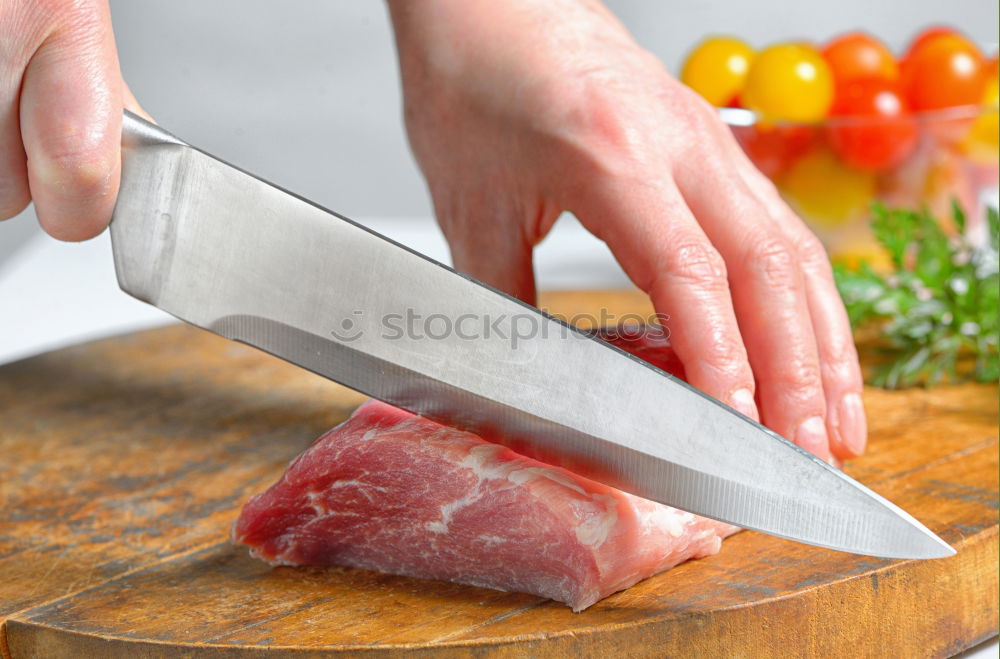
<point x="789" y="82"/>
<point x="949" y="180"/>
<point x="944" y="71"/>
<point x="773" y="149"/>
<point x="858" y="55"/>
<point x="983" y="140"/>
<point x="736" y="102"/>
<point x="717" y="68"/>
<point x="925" y="36"/>
<point x="825" y="191"/>
<point x="871" y="126"/>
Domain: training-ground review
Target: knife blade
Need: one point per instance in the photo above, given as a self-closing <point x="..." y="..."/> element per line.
<point x="226" y="251"/>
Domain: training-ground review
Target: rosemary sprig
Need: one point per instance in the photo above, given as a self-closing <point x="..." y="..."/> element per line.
<point x="937" y="311"/>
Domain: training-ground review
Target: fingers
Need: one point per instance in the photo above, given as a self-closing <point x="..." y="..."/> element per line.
<point x="770" y="298"/>
<point x="841" y="373"/>
<point x="70" y="116"/>
<point x="663" y="250"/>
<point x="505" y="265"/>
<point x="842" y="380"/>
<point x="14" y="195"/>
<point x="799" y="338"/>
<point x="488" y="240"/>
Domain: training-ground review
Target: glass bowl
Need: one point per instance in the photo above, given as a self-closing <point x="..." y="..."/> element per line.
<point x="832" y="171"/>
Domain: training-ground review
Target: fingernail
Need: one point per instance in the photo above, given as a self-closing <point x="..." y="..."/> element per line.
<point x="811" y="435"/>
<point x="851" y="424"/>
<point x="742" y="401"/>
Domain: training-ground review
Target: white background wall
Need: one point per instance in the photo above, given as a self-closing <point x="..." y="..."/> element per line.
<point x="304" y="92"/>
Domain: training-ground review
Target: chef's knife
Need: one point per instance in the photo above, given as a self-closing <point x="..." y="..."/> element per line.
<point x="231" y="253"/>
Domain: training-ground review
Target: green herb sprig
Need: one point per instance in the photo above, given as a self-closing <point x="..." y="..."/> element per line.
<point x="937" y="311"/>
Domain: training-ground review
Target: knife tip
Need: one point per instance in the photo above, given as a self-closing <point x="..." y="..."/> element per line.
<point x="943" y="549"/>
<point x="930" y="545"/>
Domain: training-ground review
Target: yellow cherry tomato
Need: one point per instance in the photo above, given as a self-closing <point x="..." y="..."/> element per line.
<point x="982" y="139"/>
<point x="717" y="68"/>
<point x="825" y="191"/>
<point x="789" y="82"/>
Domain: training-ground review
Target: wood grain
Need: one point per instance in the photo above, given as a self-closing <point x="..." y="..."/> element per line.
<point x="125" y="462"/>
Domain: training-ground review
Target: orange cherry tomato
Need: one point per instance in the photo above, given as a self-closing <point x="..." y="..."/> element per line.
<point x="871" y="127"/>
<point x="945" y="70"/>
<point x="859" y="55"/>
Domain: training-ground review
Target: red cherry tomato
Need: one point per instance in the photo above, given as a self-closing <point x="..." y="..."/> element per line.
<point x="774" y="149"/>
<point x="736" y="102"/>
<point x="858" y="55"/>
<point x="944" y="71"/>
<point x="927" y="35"/>
<point x="871" y="127"/>
<point x="919" y="42"/>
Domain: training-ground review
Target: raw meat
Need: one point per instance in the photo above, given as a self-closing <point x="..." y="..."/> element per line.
<point x="397" y="493"/>
<point x="649" y="343"/>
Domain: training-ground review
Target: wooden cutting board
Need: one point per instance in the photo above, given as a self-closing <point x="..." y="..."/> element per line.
<point x="124" y="462"/>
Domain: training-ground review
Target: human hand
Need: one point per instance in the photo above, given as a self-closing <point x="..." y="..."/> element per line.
<point x="517" y="111"/>
<point x="61" y="101"/>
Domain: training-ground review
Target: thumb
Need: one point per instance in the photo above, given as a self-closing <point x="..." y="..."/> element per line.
<point x="492" y="246"/>
<point x="504" y="264"/>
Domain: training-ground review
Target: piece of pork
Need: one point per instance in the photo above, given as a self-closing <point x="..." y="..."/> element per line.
<point x="397" y="493"/>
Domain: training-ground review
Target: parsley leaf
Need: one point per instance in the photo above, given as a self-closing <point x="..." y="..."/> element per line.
<point x="937" y="310"/>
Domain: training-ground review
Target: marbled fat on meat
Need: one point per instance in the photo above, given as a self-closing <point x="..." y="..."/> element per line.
<point x="397" y="493"/>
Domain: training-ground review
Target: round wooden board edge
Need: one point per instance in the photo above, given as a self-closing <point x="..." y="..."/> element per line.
<point x="744" y="624"/>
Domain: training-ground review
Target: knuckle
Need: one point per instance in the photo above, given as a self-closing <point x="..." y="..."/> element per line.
<point x="696" y="262"/>
<point x="596" y="132"/>
<point x="687" y="107"/>
<point x="727" y="358"/>
<point x="595" y="112"/>
<point x="800" y="380"/>
<point x="812" y="254"/>
<point x="597" y="115"/>
<point x="775" y="259"/>
<point x="699" y="115"/>
<point x="76" y="174"/>
<point x="74" y="160"/>
<point x="840" y="359"/>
